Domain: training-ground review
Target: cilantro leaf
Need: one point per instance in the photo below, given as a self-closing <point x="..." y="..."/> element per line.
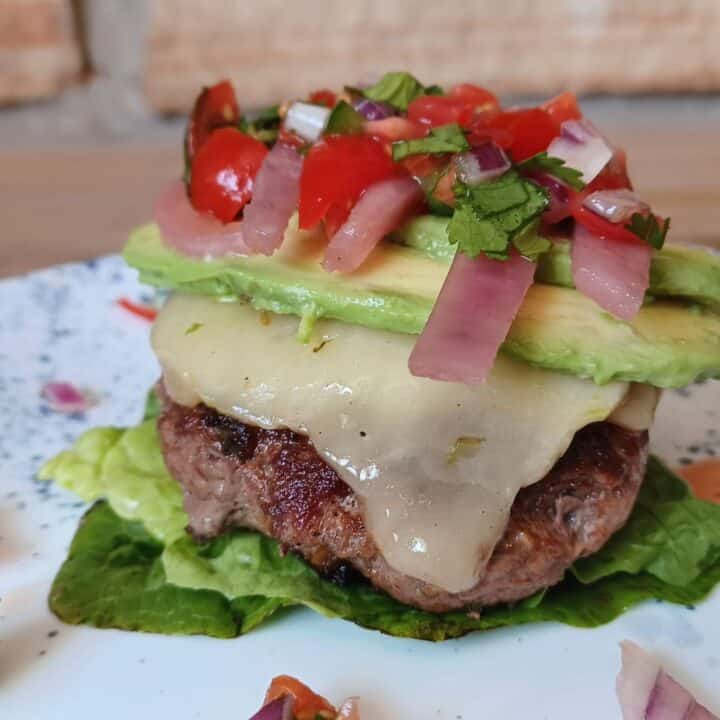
<point x="444" y="139"/>
<point x="529" y="244"/>
<point x="397" y="88"/>
<point x="554" y="166"/>
<point x="263" y="125"/>
<point x="647" y="228"/>
<point x="344" y="119"/>
<point x="490" y="216"/>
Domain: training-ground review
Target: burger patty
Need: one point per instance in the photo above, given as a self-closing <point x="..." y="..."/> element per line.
<point x="273" y="481"/>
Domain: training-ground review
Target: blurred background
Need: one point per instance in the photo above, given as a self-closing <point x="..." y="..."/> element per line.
<point x="92" y="92"/>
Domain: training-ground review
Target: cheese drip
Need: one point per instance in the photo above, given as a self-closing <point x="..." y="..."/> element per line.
<point x="436" y="465"/>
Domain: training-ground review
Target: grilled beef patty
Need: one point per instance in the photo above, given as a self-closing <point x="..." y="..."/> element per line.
<point x="273" y="481"/>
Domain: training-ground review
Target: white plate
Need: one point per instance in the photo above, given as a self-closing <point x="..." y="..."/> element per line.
<point x="63" y="324"/>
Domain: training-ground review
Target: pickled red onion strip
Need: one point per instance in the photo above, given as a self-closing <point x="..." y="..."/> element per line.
<point x="380" y="209"/>
<point x="471" y="318"/>
<point x="192" y="233"/>
<point x="613" y="273"/>
<point x="275" y="199"/>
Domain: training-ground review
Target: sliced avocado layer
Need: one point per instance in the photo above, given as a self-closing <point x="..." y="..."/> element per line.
<point x="676" y="270"/>
<point x="669" y="344"/>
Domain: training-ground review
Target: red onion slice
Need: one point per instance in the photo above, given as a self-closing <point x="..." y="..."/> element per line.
<point x="64" y="397"/>
<point x="374" y="110"/>
<point x="279" y="709"/>
<point x="582" y="147"/>
<point x="471" y="318"/>
<point x="617" y="206"/>
<point x="559" y="192"/>
<point x="380" y="209"/>
<point x="613" y="273"/>
<point x="482" y="163"/>
<point x="646" y="692"/>
<point x="192" y="233"/>
<point x="275" y="199"/>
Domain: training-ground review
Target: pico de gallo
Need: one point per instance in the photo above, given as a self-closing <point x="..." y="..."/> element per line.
<point x="357" y="163"/>
<point x="289" y="699"/>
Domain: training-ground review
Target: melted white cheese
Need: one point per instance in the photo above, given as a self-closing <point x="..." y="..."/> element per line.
<point x="437" y="465"/>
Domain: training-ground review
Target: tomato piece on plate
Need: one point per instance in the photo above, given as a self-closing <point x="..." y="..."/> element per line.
<point x="215" y="107"/>
<point x="323" y="97"/>
<point x="308" y="704"/>
<point x="460" y="105"/>
<point x="561" y="108"/>
<point x="223" y="173"/>
<point x="336" y="171"/>
<point x="523" y="133"/>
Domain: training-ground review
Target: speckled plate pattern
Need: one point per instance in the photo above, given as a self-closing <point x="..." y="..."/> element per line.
<point x="64" y="324"/>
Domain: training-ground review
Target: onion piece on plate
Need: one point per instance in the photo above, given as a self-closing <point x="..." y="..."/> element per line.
<point x="275" y="199"/>
<point x="646" y="692"/>
<point x="613" y="273"/>
<point x="380" y="209"/>
<point x="279" y="709"/>
<point x="471" y="318"/>
<point x="191" y="232"/>
<point x="559" y="192"/>
<point x="64" y="397"/>
<point x="582" y="147"/>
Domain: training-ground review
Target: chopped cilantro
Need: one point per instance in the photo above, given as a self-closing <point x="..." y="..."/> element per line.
<point x="263" y="125"/>
<point x="647" y="228"/>
<point x="490" y="216"/>
<point x="529" y="244"/>
<point x="554" y="166"/>
<point x="193" y="328"/>
<point x="444" y="139"/>
<point x="397" y="88"/>
<point x="344" y="119"/>
<point x="434" y="90"/>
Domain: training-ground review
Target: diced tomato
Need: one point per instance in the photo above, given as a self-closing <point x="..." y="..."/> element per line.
<point x="561" y="108"/>
<point x="421" y="166"/>
<point x="613" y="176"/>
<point x="308" y="705"/>
<point x="223" y="173"/>
<point x="444" y="189"/>
<point x="288" y="137"/>
<point x="395" y="128"/>
<point x="215" y="107"/>
<point x="601" y="227"/>
<point x="460" y="105"/>
<point x="336" y="171"/>
<point x="523" y="133"/>
<point x="323" y="97"/>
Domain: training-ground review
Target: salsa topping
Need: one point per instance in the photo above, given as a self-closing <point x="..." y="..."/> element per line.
<point x="358" y="163"/>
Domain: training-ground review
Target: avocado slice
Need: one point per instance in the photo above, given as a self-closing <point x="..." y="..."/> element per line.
<point x="669" y="344"/>
<point x="676" y="270"/>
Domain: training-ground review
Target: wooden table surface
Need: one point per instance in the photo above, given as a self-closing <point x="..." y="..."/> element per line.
<point x="59" y="205"/>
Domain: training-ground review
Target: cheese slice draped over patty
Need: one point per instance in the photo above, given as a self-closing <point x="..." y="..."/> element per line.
<point x="436" y="465"/>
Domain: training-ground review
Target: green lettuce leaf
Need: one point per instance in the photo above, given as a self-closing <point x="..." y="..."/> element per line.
<point x="126" y="468"/>
<point x="670" y="534"/>
<point x="122" y="573"/>
<point x="113" y="577"/>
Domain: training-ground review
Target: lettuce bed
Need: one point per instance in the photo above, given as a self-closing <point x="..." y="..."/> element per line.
<point x="131" y="566"/>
